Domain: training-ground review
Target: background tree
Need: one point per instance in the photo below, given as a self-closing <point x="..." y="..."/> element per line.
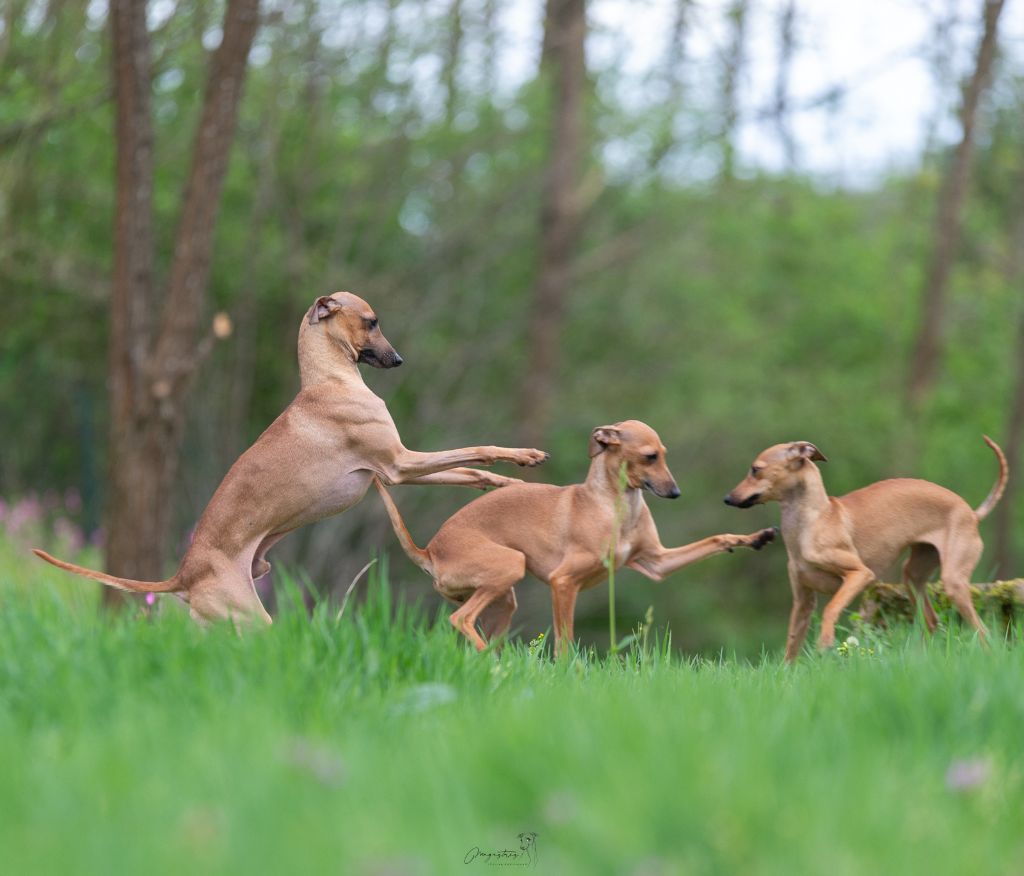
<point x="563" y="68"/>
<point x="732" y="61"/>
<point x="1007" y="512"/>
<point x="672" y="75"/>
<point x="787" y="48"/>
<point x="924" y="363"/>
<point x="155" y="345"/>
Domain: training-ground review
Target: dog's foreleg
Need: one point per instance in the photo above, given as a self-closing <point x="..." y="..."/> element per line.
<point x="854" y="582"/>
<point x="564" y="590"/>
<point x="411" y="464"/>
<point x="656" y="562"/>
<point x="799" y="619"/>
<point x="464" y="477"/>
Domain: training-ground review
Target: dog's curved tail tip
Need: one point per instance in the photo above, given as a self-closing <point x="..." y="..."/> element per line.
<point x="110" y="580"/>
<point x="999" y="487"/>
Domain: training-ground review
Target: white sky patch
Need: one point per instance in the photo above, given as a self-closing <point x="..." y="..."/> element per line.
<point x="875" y="51"/>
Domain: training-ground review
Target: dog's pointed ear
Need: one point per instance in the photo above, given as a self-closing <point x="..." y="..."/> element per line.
<point x="805" y="450"/>
<point x="602" y="438"/>
<point x="323" y="307"/>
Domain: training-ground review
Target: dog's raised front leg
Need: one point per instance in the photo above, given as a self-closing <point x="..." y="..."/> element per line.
<point x="411" y="464"/>
<point x="656" y="561"/>
<point x="465" y="477"/>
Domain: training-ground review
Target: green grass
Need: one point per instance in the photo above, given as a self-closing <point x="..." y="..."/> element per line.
<point x="384" y="745"/>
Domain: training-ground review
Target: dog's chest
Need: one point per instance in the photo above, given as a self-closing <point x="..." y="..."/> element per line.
<point x="343" y="492"/>
<point x="623" y="548"/>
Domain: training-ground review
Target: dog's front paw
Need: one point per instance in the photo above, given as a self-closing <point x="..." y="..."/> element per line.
<point x="532" y="457"/>
<point x="759" y="539"/>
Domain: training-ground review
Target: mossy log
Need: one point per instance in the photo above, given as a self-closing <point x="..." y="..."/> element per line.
<point x="885" y="603"/>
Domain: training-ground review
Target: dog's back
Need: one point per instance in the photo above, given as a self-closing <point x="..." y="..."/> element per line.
<point x="530" y="518"/>
<point x="888" y="516"/>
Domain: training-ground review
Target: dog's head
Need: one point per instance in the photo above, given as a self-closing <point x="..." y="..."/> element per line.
<point x="637" y="446"/>
<point x="774" y="473"/>
<point x="351" y="322"/>
<point x="527" y="839"/>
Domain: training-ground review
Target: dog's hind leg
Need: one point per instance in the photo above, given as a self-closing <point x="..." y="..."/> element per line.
<point x="491" y="573"/>
<point x="921" y="563"/>
<point x="496" y="618"/>
<point x="224" y="590"/>
<point x="959" y="557"/>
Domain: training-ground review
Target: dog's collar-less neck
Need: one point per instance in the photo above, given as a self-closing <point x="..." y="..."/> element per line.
<point x="601" y="482"/>
<point x="802" y="506"/>
<point x="322" y="359"/>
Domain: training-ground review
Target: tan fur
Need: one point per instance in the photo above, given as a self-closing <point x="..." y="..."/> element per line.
<point x="315" y="460"/>
<point x="561" y="535"/>
<point x="837" y="546"/>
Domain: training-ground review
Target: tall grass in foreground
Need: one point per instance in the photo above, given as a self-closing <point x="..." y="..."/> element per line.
<point x="382" y="744"/>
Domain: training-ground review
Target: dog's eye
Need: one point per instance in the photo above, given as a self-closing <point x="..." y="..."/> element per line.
<point x="371" y="324"/>
<point x="754" y="470"/>
<point x="651" y="457"/>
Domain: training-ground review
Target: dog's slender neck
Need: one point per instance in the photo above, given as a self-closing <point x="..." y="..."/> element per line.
<point x="321" y="358"/>
<point x="603" y="482"/>
<point x="804" y="501"/>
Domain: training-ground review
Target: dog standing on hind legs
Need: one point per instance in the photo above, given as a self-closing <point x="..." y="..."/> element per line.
<point x="315" y="460"/>
<point x="561" y="535"/>
<point x="837" y="546"/>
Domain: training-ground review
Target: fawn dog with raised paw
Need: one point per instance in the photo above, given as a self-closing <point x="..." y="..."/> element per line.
<point x="561" y="535"/>
<point x="315" y="460"/>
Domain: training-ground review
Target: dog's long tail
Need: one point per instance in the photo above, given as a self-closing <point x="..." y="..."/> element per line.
<point x="985" y="508"/>
<point x="419" y="556"/>
<point x="120" y="583"/>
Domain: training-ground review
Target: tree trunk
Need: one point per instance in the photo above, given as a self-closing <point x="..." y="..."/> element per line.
<point x="927" y="350"/>
<point x="449" y="73"/>
<point x="132" y="495"/>
<point x="1003" y="515"/>
<point x="150" y="375"/>
<point x="489" y="25"/>
<point x="732" y="66"/>
<point x="787" y="48"/>
<point x="563" y="66"/>
<point x="672" y="75"/>
<point x="1005" y="565"/>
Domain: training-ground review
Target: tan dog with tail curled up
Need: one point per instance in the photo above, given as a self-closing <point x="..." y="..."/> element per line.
<point x="315" y="460"/>
<point x="837" y="546"/>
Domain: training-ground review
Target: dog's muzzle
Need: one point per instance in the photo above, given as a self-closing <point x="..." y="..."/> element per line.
<point x="665" y="492"/>
<point x="749" y="502"/>
<point x="383" y="359"/>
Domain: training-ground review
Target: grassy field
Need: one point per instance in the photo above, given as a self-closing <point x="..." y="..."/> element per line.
<point x="382" y="745"/>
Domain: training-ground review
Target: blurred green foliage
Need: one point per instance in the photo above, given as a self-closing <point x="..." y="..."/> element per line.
<point x="729" y="317"/>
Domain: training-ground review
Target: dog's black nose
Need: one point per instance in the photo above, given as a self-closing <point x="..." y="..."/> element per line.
<point x="398" y="359"/>
<point x="673" y="493"/>
<point x="728" y="500"/>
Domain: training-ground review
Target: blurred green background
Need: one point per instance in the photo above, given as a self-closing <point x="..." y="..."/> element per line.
<point x="383" y="148"/>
